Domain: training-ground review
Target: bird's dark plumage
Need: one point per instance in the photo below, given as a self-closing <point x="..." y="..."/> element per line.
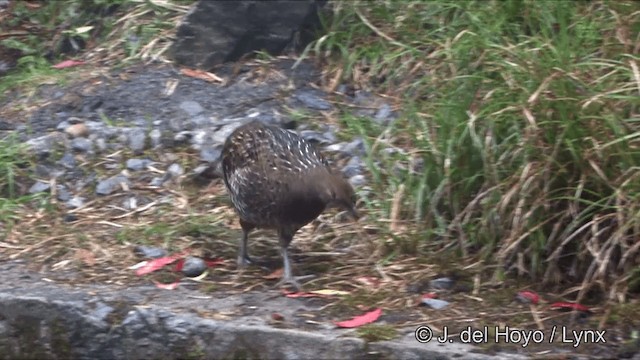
<point x="277" y="180"/>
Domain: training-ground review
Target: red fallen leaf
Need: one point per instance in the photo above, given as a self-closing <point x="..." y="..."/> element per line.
<point x="156" y="264"/>
<point x="277" y="274"/>
<point x="568" y="306"/>
<point x="167" y="286"/>
<point x="67" y="64"/>
<point x="179" y="265"/>
<point x="367" y="318"/>
<point x="528" y="297"/>
<point x="430" y="295"/>
<point x="277" y="317"/>
<point x="214" y="262"/>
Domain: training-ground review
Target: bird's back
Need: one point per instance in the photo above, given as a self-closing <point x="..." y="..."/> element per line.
<point x="265" y="167"/>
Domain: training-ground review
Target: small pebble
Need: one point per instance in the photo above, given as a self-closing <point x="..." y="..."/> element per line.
<point x="77" y="130"/>
<point x="81" y="144"/>
<point x="39" y="187"/>
<point x="193" y="266"/>
<point x="191" y="107"/>
<point x="138" y="164"/>
<point x="70" y="218"/>
<point x="149" y="251"/>
<point x="110" y="185"/>
<point x="443" y="283"/>
<point x="435" y="303"/>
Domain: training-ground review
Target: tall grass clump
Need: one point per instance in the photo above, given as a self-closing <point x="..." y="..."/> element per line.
<point x="525" y="118"/>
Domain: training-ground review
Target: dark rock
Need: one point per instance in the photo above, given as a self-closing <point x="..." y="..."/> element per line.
<point x="108" y="186"/>
<point x="138" y="164"/>
<point x="70" y="218"/>
<point x="193" y="266"/>
<point x="149" y="251"/>
<point x="81" y="144"/>
<point x="6" y="126"/>
<point x="214" y="32"/>
<point x="443" y="283"/>
<point x="39" y="187"/>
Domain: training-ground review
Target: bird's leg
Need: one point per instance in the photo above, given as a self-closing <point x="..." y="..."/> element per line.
<point x="287" y="277"/>
<point x="243" y="256"/>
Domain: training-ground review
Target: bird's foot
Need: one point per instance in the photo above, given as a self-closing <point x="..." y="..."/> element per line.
<point x="293" y="281"/>
<point x="243" y="261"/>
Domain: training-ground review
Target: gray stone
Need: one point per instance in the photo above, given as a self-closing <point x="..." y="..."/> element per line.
<point x="39" y="187"/>
<point x="130" y="203"/>
<point x="358" y="180"/>
<point x="110" y="185"/>
<point x="67" y="160"/>
<point x="175" y="170"/>
<point x="101" y="144"/>
<point x="384" y="116"/>
<point x="136" y="139"/>
<point x="313" y="100"/>
<point x="75" y="202"/>
<point x="63" y="125"/>
<point x="81" y="144"/>
<point x="156" y="137"/>
<point x="138" y="164"/>
<point x="355" y="147"/>
<point x="354" y="167"/>
<point x="200" y="121"/>
<point x="44" y="145"/>
<point x="192" y="108"/>
<point x="210" y="154"/>
<point x="221" y="135"/>
<point x="183" y="136"/>
<point x="435" y="303"/>
<point x="152" y="252"/>
<point x="193" y="266"/>
<point x="157" y="181"/>
<point x="62" y="193"/>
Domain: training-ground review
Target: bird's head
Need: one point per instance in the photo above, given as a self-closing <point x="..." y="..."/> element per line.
<point x="337" y="192"/>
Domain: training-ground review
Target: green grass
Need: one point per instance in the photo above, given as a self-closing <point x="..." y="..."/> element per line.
<point x="14" y="162"/>
<point x="525" y="115"/>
